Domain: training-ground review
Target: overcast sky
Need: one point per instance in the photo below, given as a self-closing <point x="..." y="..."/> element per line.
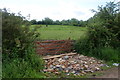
<point x="54" y="9"/>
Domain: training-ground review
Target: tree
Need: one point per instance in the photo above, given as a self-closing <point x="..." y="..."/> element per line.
<point x="106" y="19"/>
<point x="109" y="16"/>
<point x="33" y="21"/>
<point x="48" y="21"/>
<point x="74" y="22"/>
<point x="65" y="22"/>
<point x="57" y="22"/>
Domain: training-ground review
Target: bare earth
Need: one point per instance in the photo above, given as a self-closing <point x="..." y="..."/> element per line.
<point x="110" y="73"/>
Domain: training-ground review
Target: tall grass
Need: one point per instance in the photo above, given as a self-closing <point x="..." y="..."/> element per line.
<point x="27" y="67"/>
<point x="103" y="53"/>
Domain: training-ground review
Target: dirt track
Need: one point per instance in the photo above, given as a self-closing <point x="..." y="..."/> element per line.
<point x="110" y="73"/>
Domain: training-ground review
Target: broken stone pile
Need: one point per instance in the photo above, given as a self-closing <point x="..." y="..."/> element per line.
<point x="73" y="64"/>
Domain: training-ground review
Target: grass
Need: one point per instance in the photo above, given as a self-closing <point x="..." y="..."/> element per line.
<point x="27" y="67"/>
<point x="60" y="32"/>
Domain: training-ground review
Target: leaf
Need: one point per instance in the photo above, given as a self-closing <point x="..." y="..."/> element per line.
<point x="17" y="42"/>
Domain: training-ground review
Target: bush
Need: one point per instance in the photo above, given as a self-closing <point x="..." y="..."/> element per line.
<point x="100" y="43"/>
<point x="17" y="35"/>
<point x="97" y="37"/>
<point x="103" y="34"/>
<point x="19" y="58"/>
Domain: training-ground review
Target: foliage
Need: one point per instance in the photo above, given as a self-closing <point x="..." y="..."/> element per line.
<point x="28" y="67"/>
<point x="103" y="34"/>
<point x="19" y="59"/>
<point x="33" y="21"/>
<point x="47" y="21"/>
<point x="16" y="35"/>
<point x="72" y="22"/>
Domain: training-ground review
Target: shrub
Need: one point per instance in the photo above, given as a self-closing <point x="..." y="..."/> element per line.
<point x="19" y="58"/>
<point x="17" y="35"/>
<point x="97" y="37"/>
<point x="103" y="32"/>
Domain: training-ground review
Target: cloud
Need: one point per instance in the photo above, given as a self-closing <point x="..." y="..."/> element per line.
<point x="79" y="13"/>
<point x="54" y="9"/>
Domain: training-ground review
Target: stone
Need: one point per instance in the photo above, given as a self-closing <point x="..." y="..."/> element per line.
<point x="77" y="73"/>
<point x="91" y="71"/>
<point x="66" y="71"/>
<point x="68" y="74"/>
<point x="57" y="73"/>
<point x="97" y="69"/>
<point x="50" y="70"/>
<point x="63" y="67"/>
<point x="45" y="70"/>
<point x="60" y="59"/>
<point x="116" y="64"/>
<point x="58" y="65"/>
<point x="102" y="65"/>
<point x="81" y="56"/>
<point x="72" y="62"/>
<point x="59" y="68"/>
<point x="70" y="67"/>
<point x="85" y="66"/>
<point x="66" y="57"/>
<point x="73" y="72"/>
<point x="107" y="66"/>
<point x="54" y="67"/>
<point x="51" y="66"/>
<point x="85" y="62"/>
<point x="81" y="68"/>
<point x="75" y="64"/>
<point x="46" y="61"/>
<point x="83" y="72"/>
<point x="91" y="62"/>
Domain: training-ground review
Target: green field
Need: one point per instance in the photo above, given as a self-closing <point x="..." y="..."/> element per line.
<point x="60" y="32"/>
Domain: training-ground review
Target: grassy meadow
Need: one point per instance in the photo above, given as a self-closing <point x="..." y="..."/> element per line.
<point x="60" y="32"/>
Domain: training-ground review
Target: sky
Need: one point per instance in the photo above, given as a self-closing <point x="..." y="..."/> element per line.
<point x="54" y="9"/>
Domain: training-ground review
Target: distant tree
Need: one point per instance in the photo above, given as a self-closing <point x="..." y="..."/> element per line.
<point x="64" y="22"/>
<point x="39" y="22"/>
<point x="57" y="22"/>
<point x="33" y="21"/>
<point x="74" y="22"/>
<point x="48" y="21"/>
<point x="82" y="23"/>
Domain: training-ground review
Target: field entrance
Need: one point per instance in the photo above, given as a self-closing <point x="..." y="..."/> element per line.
<point x="52" y="47"/>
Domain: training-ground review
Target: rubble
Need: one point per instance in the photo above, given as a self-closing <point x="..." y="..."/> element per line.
<point x="72" y="64"/>
<point x="116" y="64"/>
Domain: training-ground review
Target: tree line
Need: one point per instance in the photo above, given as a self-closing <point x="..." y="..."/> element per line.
<point x="48" y="21"/>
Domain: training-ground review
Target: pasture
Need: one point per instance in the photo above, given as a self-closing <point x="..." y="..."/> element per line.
<point x="60" y="32"/>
